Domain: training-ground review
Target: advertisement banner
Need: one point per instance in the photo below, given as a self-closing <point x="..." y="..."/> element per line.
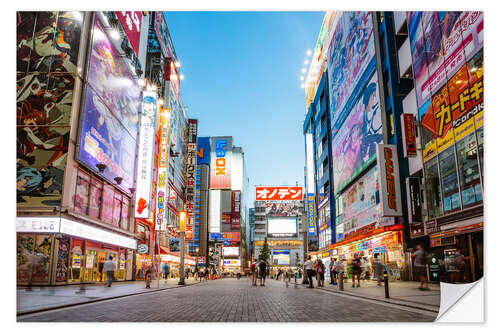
<point x="203" y="151"/>
<point x="281" y="227"/>
<point x="145" y="157"/>
<point x="162" y="182"/>
<point x="281" y="257"/>
<point x="415" y="217"/>
<point x="409" y="137"/>
<point x="131" y="23"/>
<point x="390" y="188"/>
<point x="354" y="146"/>
<point x="163" y="36"/>
<point x="283" y="208"/>
<point x="311" y="214"/>
<point x="177" y="140"/>
<point x="235" y="209"/>
<point x="349" y="53"/>
<point x="190" y="193"/>
<point x="220" y="162"/>
<point x="272" y="193"/>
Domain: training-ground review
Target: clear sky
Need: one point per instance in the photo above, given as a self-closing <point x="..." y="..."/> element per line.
<point x="242" y="79"/>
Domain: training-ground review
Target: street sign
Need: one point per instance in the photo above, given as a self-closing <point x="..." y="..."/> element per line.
<point x="142" y="248"/>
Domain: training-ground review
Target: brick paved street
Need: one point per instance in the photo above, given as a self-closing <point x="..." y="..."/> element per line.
<point x="230" y="300"/>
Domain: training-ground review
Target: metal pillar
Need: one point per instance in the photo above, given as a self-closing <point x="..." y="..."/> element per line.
<point x="181" y="266"/>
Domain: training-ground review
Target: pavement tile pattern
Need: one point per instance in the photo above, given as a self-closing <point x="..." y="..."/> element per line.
<point x="231" y="300"/>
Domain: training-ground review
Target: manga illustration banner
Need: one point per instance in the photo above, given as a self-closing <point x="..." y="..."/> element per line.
<point x="131" y="23"/>
<point x="350" y="52"/>
<point x="354" y="146"/>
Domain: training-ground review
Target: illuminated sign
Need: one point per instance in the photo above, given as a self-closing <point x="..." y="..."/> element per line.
<point x="409" y="137"/>
<point x="161" y="184"/>
<point x="203" y="151"/>
<point x="311" y="214"/>
<point x="235" y="209"/>
<point x="131" y="23"/>
<point x="220" y="165"/>
<point x="390" y="191"/>
<point x="145" y="157"/>
<point x="191" y="174"/>
<point x="278" y="193"/>
<point x="230" y="251"/>
<point x="231" y="262"/>
<point x="37" y="224"/>
<point x="281" y="227"/>
<point x="310" y="163"/>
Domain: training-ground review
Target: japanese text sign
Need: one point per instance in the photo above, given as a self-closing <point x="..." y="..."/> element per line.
<point x="278" y="193"/>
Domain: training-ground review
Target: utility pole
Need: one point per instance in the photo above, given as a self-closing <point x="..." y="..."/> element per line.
<point x="182" y="222"/>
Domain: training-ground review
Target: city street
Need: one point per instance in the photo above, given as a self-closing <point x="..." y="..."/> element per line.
<point x="232" y="300"/>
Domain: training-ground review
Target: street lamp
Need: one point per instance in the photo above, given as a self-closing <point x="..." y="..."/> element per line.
<point x="182" y="224"/>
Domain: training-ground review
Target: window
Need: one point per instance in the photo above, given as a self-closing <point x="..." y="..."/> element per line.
<point x="480" y="141"/>
<point x="432" y="189"/>
<point x="451" y="197"/>
<point x="468" y="170"/>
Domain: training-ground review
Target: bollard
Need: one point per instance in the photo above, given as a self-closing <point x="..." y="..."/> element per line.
<point x="386" y="284"/>
<point x="341" y="281"/>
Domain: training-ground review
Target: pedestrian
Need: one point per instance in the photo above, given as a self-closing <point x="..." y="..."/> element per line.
<point x="308" y="268"/>
<point x="196" y="273"/>
<point x="459" y="263"/>
<point x="109" y="267"/>
<point x="420" y="261"/>
<point x="378" y="269"/>
<point x="320" y="271"/>
<point x="262" y="267"/>
<point x="339" y="269"/>
<point x="356" y="270"/>
<point x="253" y="272"/>
<point x="148" y="275"/>
<point x="238" y="274"/>
<point x="166" y="271"/>
<point x="331" y="268"/>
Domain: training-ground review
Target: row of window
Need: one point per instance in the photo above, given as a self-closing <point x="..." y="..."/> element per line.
<point x="99" y="200"/>
<point x="453" y="178"/>
<point x="325" y="238"/>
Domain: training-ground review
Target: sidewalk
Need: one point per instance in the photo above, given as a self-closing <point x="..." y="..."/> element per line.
<point x="400" y="292"/>
<point x="43" y="298"/>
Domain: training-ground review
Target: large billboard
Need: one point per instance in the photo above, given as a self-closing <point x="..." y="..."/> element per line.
<point x="354" y="146"/>
<point x="281" y="227"/>
<point x="191" y="174"/>
<point x="145" y="157"/>
<point x="108" y="127"/>
<point x="131" y="23"/>
<point x="203" y="151"/>
<point x="162" y="181"/>
<point x="281" y="257"/>
<point x="230" y="251"/>
<point x="178" y="134"/>
<point x="267" y="193"/>
<point x="283" y="208"/>
<point x="359" y="204"/>
<point x="350" y="52"/>
<point x="441" y="42"/>
<point x="220" y="162"/>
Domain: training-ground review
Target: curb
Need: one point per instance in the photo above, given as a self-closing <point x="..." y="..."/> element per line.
<point x="56" y="307"/>
<point x="390" y="300"/>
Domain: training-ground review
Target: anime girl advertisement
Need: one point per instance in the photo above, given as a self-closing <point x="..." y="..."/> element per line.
<point x="355" y="143"/>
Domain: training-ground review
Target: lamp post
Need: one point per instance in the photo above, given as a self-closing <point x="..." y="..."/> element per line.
<point x="182" y="223"/>
<point x="196" y="266"/>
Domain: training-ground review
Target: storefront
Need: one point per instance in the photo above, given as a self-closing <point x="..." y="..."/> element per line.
<point x="387" y="242"/>
<point x="56" y="250"/>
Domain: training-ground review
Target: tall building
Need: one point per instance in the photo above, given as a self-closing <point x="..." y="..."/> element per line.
<point x="202" y="182"/>
<point x="228" y="208"/>
<point x="251" y="233"/>
<point x="405" y="136"/>
<point x="77" y="141"/>
<point x="278" y="217"/>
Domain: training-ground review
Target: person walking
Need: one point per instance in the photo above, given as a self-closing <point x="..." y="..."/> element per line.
<point x="109" y="267"/>
<point x="378" y="269"/>
<point x="356" y="270"/>
<point x="320" y="271"/>
<point x="253" y="272"/>
<point x="262" y="267"/>
<point x="420" y="261"/>
<point x="148" y="275"/>
<point x="331" y="268"/>
<point x="308" y="268"/>
<point x="166" y="271"/>
<point x="339" y="271"/>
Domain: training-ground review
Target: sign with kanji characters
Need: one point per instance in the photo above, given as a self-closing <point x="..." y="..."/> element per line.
<point x="220" y="162"/>
<point x="311" y="214"/>
<point x="409" y="137"/>
<point x="278" y="193"/>
<point x="161" y="184"/>
<point x="190" y="192"/>
<point x="235" y="209"/>
<point x="144" y="176"/>
<point x="390" y="188"/>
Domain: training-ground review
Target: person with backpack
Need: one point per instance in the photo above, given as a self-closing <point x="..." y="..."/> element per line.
<point x="262" y="272"/>
<point x="356" y="270"/>
<point x="320" y="271"/>
<point x="378" y="269"/>
<point x="333" y="273"/>
<point x="420" y="261"/>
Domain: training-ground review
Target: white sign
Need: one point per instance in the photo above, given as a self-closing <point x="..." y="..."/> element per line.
<point x="73" y="228"/>
<point x="149" y="109"/>
<point x="281" y="227"/>
<point x="310" y="163"/>
<point x="230" y="251"/>
<point x="37" y="224"/>
<point x="232" y="262"/>
<point x="390" y="188"/>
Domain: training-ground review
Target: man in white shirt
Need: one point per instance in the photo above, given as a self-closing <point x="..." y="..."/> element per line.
<point x="308" y="267"/>
<point x="109" y="268"/>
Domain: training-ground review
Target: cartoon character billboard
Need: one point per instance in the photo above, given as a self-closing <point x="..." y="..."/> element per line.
<point x="354" y="146"/>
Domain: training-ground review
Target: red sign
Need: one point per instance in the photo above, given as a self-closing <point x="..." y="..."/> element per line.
<point x="188" y="231"/>
<point x="131" y="23"/>
<point x="235" y="209"/>
<point x="409" y="131"/>
<point x="233" y="236"/>
<point x="268" y="193"/>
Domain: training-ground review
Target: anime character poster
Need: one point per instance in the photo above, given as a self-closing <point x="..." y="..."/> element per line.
<point x="350" y="52"/>
<point x="360" y="202"/>
<point x="62" y="259"/>
<point x="355" y="143"/>
<point x="111" y="80"/>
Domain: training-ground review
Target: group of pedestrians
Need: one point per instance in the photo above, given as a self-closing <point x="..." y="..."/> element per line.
<point x="258" y="270"/>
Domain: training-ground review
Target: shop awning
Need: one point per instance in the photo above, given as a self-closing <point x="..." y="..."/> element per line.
<point x="395" y="227"/>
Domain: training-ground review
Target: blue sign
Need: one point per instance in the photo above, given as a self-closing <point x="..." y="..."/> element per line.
<point x="215" y="236"/>
<point x="227" y="243"/>
<point x="311" y="214"/>
<point x="203" y="150"/>
<point x="142" y="248"/>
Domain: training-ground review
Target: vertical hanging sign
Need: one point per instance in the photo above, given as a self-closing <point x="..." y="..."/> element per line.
<point x="390" y="188"/>
<point x="235" y="209"/>
<point x="149" y="109"/>
<point x="409" y="137"/>
<point x="161" y="185"/>
<point x="191" y="175"/>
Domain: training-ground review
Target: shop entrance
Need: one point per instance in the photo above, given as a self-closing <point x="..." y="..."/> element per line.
<point x="94" y="265"/>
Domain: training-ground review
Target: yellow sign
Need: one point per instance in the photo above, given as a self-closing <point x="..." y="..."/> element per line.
<point x="464" y="129"/>
<point x="430" y="150"/>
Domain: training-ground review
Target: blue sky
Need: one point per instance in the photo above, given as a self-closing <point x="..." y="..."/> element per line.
<point x="242" y="78"/>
